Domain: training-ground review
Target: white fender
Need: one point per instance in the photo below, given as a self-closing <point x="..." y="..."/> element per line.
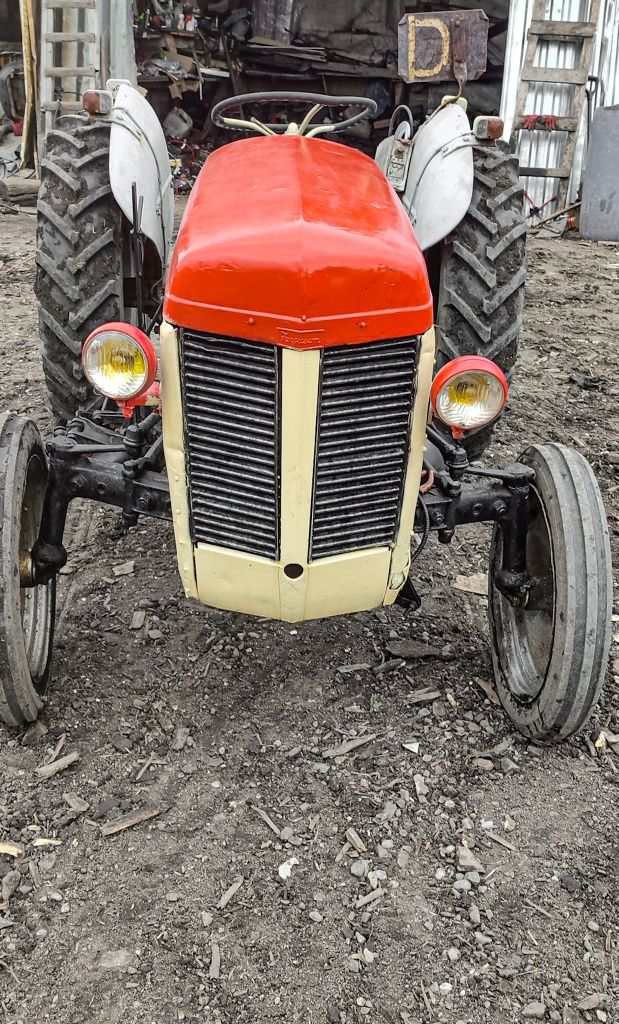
<point x="138" y="153"/>
<point x="438" y="187"/>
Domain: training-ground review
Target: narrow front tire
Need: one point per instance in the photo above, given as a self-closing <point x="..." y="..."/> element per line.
<point x="550" y="656"/>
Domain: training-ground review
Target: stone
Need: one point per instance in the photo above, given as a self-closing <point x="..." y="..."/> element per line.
<point x="467" y="861"/>
<point x="116" y="960"/>
<point x="534" y="1011"/>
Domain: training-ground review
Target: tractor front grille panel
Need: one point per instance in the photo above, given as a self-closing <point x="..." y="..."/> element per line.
<point x="231" y="393"/>
<point x="232" y="409"/>
<point x="362" y="445"/>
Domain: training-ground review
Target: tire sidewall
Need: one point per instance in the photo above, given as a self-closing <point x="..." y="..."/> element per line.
<point x="571" y="686"/>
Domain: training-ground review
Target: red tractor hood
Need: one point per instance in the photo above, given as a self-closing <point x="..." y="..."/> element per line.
<point x="298" y="242"/>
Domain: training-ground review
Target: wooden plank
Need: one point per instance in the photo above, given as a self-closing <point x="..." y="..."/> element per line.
<point x="545" y="172"/>
<point x="70" y="4"/>
<point x="130" y="820"/>
<point x="70" y="37"/>
<point x="556" y="76"/>
<point x="70" y="72"/>
<point x="563" y="124"/>
<point x="564" y="30"/>
<point x="47" y="771"/>
<point x="66" y="105"/>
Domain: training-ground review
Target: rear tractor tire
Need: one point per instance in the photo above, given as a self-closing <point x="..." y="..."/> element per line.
<point x="478" y="274"/>
<point x="550" y="656"/>
<point x="26" y="613"/>
<point x="79" y="282"/>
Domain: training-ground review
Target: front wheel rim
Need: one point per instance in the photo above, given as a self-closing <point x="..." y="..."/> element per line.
<point x="524" y="636"/>
<point x="36" y="603"/>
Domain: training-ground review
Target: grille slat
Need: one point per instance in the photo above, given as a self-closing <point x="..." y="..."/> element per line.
<point x="367" y="393"/>
<point x="231" y="393"/>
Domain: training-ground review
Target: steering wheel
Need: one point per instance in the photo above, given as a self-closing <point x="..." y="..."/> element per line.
<point x="368" y="109"/>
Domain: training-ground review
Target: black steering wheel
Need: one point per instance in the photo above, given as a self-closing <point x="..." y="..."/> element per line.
<point x="318" y="102"/>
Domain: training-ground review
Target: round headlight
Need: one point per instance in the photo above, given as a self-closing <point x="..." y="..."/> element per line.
<point x="468" y="393"/>
<point x="119" y="360"/>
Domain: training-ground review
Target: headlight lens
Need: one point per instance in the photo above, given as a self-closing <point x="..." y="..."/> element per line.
<point x="468" y="393"/>
<point x="119" y="361"/>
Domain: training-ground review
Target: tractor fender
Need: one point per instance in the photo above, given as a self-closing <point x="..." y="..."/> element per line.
<point x="433" y="172"/>
<point x="138" y="153"/>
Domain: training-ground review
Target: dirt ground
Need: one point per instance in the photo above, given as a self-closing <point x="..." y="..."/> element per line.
<point x="224" y="724"/>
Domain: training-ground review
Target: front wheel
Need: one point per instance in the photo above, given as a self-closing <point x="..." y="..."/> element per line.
<point x="26" y="612"/>
<point x="550" y="656"/>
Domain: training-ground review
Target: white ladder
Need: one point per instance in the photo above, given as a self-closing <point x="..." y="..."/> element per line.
<point x="70" y="58"/>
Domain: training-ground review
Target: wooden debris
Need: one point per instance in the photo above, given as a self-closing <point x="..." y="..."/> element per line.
<point x="489" y="690"/>
<point x="266" y="819"/>
<point x="370" y="897"/>
<point x="23" y="191"/>
<point x="230" y="893"/>
<point x="47" y="771"/>
<point x="355" y="840"/>
<point x="213" y="971"/>
<point x="421" y="696"/>
<point x="148" y="762"/>
<point x="477" y="584"/>
<point x="339" y="857"/>
<point x="413" y="650"/>
<point x="57" y="749"/>
<point x="125" y="569"/>
<point x="349" y="745"/>
<point x="500" y="841"/>
<point x="75" y="802"/>
<point x="540" y="910"/>
<point x="11" y="850"/>
<point x="389" y="666"/>
<point x="129" y="820"/>
<point x="42" y="841"/>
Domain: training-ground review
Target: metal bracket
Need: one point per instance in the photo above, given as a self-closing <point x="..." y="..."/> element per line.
<point x="458" y="52"/>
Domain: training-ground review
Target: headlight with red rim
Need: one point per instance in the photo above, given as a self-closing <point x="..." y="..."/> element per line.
<point x="120" y="361"/>
<point x="468" y="393"/>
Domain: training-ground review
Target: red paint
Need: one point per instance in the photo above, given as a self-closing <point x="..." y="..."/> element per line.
<point x="298" y="242"/>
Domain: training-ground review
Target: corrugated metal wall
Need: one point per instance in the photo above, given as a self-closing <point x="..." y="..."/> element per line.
<point x="545" y="149"/>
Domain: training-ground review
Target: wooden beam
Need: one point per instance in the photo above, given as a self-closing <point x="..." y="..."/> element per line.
<point x="556" y="76"/>
<point x="565" y="30"/>
<point x="563" y="124"/>
<point x="544" y="172"/>
<point x="70" y="37"/>
<point x="70" y="72"/>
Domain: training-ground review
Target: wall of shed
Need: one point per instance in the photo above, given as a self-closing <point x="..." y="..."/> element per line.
<point x="545" y="149"/>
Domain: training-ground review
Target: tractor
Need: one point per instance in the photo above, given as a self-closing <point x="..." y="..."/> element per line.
<point x="309" y="394"/>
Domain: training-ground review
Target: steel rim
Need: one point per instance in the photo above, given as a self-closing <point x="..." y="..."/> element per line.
<point x="524" y="636"/>
<point x="36" y="602"/>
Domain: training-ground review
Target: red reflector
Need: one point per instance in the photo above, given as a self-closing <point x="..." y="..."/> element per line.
<point x="97" y="101"/>
<point x="488" y="127"/>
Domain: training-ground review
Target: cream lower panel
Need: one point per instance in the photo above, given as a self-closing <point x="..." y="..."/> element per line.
<point x="174" y="449"/>
<point x="400" y="562"/>
<point x="333" y="586"/>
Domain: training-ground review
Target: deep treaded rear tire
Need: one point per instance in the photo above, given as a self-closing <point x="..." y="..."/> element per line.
<point x="79" y="255"/>
<point x="481" y="291"/>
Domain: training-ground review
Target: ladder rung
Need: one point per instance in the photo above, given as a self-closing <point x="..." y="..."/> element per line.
<point x="565" y="30"/>
<point x="562" y="124"/>
<point x="65" y="105"/>
<point x="556" y="76"/>
<point x="544" y="172"/>
<point x="70" y="72"/>
<point x="70" y="4"/>
<point x="70" y="37"/>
